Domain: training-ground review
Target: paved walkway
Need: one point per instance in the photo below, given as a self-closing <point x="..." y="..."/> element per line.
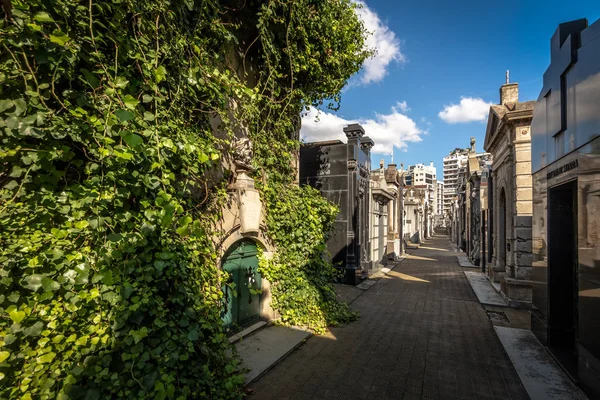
<point x="422" y="335"/>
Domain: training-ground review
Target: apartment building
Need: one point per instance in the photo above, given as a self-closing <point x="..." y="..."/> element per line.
<point x="455" y="166"/>
<point x="455" y="169"/>
<point x="424" y="176"/>
<point x="439" y="195"/>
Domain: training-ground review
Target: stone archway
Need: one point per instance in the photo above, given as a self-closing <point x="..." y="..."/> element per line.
<point x="264" y="248"/>
<point x="242" y="293"/>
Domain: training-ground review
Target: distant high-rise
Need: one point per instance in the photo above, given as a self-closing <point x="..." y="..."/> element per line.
<point x="455" y="166"/>
<point x="424" y="176"/>
<point x="439" y="195"/>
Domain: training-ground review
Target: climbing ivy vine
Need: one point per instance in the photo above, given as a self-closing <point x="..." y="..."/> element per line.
<point x="115" y="122"/>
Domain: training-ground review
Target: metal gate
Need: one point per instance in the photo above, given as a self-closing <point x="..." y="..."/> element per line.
<point x="242" y="293"/>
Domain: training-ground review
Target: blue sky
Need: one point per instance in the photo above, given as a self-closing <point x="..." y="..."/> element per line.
<point x="432" y="55"/>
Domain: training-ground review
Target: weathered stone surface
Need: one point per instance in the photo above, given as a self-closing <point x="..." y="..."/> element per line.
<point x="524" y="194"/>
<point x="523" y="234"/>
<point x="523" y="155"/>
<point x="523" y="168"/>
<point x="524" y="259"/>
<point x="524" y="207"/>
<point x="523" y="273"/>
<point x="519" y="293"/>
<point x="524" y="246"/>
<point x="522" y="221"/>
<point x="524" y="181"/>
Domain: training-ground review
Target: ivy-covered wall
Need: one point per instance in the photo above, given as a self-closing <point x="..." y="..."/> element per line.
<point x="109" y="281"/>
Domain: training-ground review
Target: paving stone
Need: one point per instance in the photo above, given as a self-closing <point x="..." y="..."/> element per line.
<point x="422" y="335"/>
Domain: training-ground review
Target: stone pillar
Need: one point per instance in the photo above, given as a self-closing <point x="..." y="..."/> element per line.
<point x="354" y="133"/>
<point x="523" y="195"/>
<point x="364" y="171"/>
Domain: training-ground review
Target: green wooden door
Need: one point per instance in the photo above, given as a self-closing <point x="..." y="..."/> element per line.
<point x="242" y="293"/>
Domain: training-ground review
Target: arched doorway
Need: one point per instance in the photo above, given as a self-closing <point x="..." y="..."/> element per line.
<point x="502" y="229"/>
<point x="243" y="291"/>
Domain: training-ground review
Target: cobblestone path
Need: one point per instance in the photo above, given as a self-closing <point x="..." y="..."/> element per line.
<point x="422" y="335"/>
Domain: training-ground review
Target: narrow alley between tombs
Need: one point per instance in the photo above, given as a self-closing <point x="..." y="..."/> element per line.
<point x="422" y="334"/>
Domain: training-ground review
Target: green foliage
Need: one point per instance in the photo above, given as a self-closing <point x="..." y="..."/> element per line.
<point x="323" y="45"/>
<point x="112" y="115"/>
<point x="109" y="282"/>
<point x="299" y="221"/>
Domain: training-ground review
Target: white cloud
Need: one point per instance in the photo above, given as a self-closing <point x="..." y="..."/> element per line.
<point x="387" y="130"/>
<point x="403" y="106"/>
<point x="469" y="109"/>
<point x="382" y="40"/>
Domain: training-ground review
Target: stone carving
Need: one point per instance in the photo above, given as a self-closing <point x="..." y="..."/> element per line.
<point x="352" y="165"/>
<point x="242" y="155"/>
<point x="364" y="172"/>
<point x="362" y="185"/>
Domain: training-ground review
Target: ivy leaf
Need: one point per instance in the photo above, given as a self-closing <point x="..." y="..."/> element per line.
<point x="11" y="185"/>
<point x="114" y="237"/>
<point x="130" y="102"/>
<point x="34" y="282"/>
<point x="90" y="78"/>
<point x="132" y="139"/>
<point x="139" y="335"/>
<point x="124" y="115"/>
<point x="59" y="37"/>
<point x="35" y="27"/>
<point x="34" y="330"/>
<point x="43" y="16"/>
<point x="4" y="355"/>
<point x="81" y="224"/>
<point x="6" y="104"/>
<point x="192" y="334"/>
<point x="160" y="265"/>
<point x="49" y="285"/>
<point x="46" y="358"/>
<point x="17" y="316"/>
<point x="16" y="172"/>
<point x="202" y="157"/>
<point x="120" y="82"/>
<point x="20" y="106"/>
<point x="160" y="74"/>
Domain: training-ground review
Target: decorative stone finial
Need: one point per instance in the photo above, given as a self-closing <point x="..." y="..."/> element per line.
<point x="507" y="76"/>
<point x="354" y="131"/>
<point x="366" y="143"/>
<point x="472" y="144"/>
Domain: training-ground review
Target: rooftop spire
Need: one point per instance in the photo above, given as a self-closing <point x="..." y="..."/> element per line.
<point x="507" y="77"/>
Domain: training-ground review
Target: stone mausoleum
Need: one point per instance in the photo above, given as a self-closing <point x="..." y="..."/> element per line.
<point x="565" y="149"/>
<point x="508" y="139"/>
<point x="341" y="171"/>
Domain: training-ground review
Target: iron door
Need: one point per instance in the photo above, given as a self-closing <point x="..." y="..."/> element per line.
<point x="242" y="295"/>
